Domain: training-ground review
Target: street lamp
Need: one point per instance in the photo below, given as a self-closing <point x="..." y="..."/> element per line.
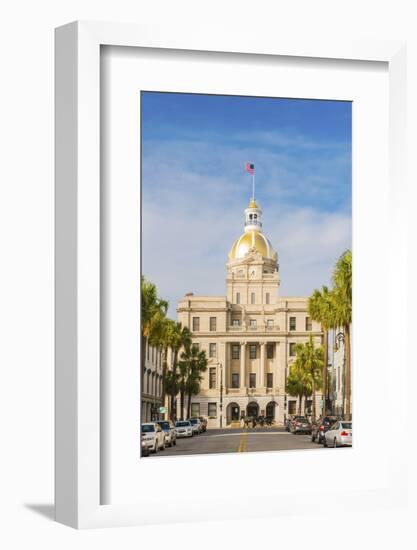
<point x="221" y="395"/>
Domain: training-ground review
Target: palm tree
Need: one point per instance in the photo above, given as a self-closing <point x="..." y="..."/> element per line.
<point x="342" y="305"/>
<point x="198" y="365"/>
<point x="320" y="307"/>
<point x="163" y="329"/>
<point x="179" y="337"/>
<point x="191" y="367"/>
<point x="297" y="383"/>
<point x="310" y="359"/>
<point x="153" y="309"/>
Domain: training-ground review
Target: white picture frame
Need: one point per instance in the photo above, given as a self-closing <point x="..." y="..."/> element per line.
<point x="78" y="322"/>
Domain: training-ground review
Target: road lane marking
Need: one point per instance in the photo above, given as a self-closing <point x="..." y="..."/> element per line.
<point x="243" y="446"/>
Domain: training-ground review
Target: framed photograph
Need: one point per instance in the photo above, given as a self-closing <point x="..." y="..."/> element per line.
<point x="222" y="211"/>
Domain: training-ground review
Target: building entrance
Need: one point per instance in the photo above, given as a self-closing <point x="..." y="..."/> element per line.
<point x="252" y="409"/>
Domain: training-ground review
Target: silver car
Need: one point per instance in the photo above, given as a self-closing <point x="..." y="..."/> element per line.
<point x="339" y="435"/>
<point x="183" y="428"/>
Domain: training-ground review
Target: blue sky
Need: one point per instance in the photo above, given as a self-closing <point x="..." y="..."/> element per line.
<point x="194" y="187"/>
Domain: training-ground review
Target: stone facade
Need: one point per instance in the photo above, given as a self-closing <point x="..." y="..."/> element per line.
<point x="152" y="384"/>
<point x="249" y="335"/>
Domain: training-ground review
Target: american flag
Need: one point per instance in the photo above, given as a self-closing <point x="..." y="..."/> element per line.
<point x="250" y="168"/>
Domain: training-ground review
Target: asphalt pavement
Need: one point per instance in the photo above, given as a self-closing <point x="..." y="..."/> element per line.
<point x="230" y="440"/>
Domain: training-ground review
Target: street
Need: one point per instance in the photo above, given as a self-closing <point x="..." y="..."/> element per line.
<point x="239" y="440"/>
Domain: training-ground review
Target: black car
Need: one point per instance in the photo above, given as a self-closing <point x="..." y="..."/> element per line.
<point x="320" y="427"/>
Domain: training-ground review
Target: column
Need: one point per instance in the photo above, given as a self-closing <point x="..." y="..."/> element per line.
<point x="242" y="364"/>
<point x="261" y="382"/>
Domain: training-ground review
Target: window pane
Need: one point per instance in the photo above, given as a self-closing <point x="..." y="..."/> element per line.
<point x="252" y="380"/>
<point x="292" y="323"/>
<point x="212" y="410"/>
<point x="235" y="380"/>
<point x="252" y="351"/>
<point x="308" y="323"/>
<point x="235" y="351"/>
<point x="270" y="322"/>
<point x="212" y="350"/>
<point x="292" y="349"/>
<point x="213" y="323"/>
<point x="196" y="323"/>
<point x="270" y="351"/>
<point x="235" y="322"/>
<point x="195" y="409"/>
<point x="269" y="379"/>
<point x="212" y="378"/>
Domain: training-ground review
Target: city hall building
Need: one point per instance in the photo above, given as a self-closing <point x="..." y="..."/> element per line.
<point x="249" y="335"/>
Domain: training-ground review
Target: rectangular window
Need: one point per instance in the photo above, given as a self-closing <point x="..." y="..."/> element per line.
<point x="212" y="350"/>
<point x="196" y="323"/>
<point x="308" y="324"/>
<point x="236" y="322"/>
<point x="292" y="349"/>
<point x="195" y="409"/>
<point x="252" y="380"/>
<point x="196" y="345"/>
<point x="235" y="351"/>
<point x="212" y="410"/>
<point x="267" y="298"/>
<point x="252" y="351"/>
<point x="269" y="379"/>
<point x="213" y="323"/>
<point x="270" y="351"/>
<point x="291" y="407"/>
<point x="235" y="380"/>
<point x="270" y="323"/>
<point x="252" y="323"/>
<point x="212" y="378"/>
<point x="292" y="323"/>
<point x="252" y="298"/>
<point x="238" y="297"/>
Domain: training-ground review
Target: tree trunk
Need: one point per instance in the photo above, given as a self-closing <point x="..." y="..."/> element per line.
<point x="142" y="370"/>
<point x="325" y="363"/>
<point x="189" y="405"/>
<point x="182" y="403"/>
<point x="174" y="388"/>
<point x="300" y="399"/>
<point x="164" y="376"/>
<point x="347" y="373"/>
<point x="313" y="396"/>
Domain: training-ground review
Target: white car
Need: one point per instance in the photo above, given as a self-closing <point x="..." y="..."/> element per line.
<point x="196" y="424"/>
<point x="153" y="437"/>
<point x="183" y="428"/>
<point x="339" y="435"/>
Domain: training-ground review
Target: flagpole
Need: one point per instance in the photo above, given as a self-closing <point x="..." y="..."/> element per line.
<point x="253" y="186"/>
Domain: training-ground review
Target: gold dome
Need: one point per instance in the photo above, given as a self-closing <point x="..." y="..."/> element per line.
<point x="252" y="239"/>
<point x="253" y="203"/>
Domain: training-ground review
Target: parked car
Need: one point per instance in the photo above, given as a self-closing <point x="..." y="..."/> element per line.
<point x="203" y="422"/>
<point x="144" y="451"/>
<point x="153" y="436"/>
<point x="299" y="425"/>
<point x="184" y="428"/>
<point x="320" y="427"/>
<point x="169" y="430"/>
<point x="339" y="435"/>
<point x="196" y="424"/>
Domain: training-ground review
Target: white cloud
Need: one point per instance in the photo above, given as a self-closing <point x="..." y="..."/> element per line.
<point x="192" y="214"/>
